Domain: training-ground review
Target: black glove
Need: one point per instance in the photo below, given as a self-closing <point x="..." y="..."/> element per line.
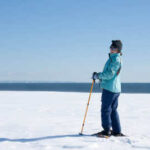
<point x="95" y="76"/>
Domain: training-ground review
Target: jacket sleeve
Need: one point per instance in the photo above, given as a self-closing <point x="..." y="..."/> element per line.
<point x="111" y="70"/>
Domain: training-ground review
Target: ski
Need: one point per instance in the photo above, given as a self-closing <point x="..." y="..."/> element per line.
<point x="100" y="135"/>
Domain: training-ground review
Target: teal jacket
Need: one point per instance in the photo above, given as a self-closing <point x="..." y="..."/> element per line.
<point x="110" y="79"/>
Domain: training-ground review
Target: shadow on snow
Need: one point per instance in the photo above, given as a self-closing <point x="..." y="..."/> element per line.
<point x="23" y="140"/>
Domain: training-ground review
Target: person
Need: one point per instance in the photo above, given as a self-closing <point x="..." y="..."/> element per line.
<point x="111" y="89"/>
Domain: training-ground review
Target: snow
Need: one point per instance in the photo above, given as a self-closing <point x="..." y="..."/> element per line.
<point x="52" y="121"/>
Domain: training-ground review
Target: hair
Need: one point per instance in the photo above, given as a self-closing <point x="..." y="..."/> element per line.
<point x="120" y="53"/>
<point x="117" y="44"/>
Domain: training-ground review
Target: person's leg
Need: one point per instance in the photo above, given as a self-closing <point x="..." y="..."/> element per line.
<point x="106" y="109"/>
<point x="115" y="116"/>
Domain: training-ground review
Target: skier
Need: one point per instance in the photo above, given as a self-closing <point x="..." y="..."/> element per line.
<point x="111" y="89"/>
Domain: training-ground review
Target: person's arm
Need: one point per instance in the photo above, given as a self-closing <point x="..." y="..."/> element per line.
<point x="110" y="72"/>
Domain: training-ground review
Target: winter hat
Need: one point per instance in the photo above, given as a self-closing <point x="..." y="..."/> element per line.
<point x="117" y="44"/>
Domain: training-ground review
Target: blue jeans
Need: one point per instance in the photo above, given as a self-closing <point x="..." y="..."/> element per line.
<point x="109" y="114"/>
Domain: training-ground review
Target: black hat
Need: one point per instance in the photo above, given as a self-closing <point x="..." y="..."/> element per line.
<point x="117" y="44"/>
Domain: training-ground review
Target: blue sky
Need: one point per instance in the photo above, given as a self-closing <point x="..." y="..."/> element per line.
<point x="66" y="40"/>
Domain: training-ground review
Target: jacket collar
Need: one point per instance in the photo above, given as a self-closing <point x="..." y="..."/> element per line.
<point x="114" y="54"/>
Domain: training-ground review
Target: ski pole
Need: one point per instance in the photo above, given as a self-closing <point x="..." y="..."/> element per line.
<point x="87" y="108"/>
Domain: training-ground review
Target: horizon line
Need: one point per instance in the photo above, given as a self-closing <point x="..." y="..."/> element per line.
<point x="58" y="82"/>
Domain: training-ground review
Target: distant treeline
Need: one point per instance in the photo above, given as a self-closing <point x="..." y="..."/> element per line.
<point x="71" y="87"/>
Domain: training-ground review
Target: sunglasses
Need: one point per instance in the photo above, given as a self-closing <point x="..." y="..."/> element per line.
<point x="113" y="48"/>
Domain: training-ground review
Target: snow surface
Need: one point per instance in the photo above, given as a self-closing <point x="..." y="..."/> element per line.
<point x="52" y="121"/>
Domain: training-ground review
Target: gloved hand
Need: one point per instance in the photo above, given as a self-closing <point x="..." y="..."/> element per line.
<point x="95" y="76"/>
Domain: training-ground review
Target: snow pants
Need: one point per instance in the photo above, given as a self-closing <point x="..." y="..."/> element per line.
<point x="109" y="114"/>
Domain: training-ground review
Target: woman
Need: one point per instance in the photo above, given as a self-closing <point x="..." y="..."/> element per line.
<point x="111" y="89"/>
